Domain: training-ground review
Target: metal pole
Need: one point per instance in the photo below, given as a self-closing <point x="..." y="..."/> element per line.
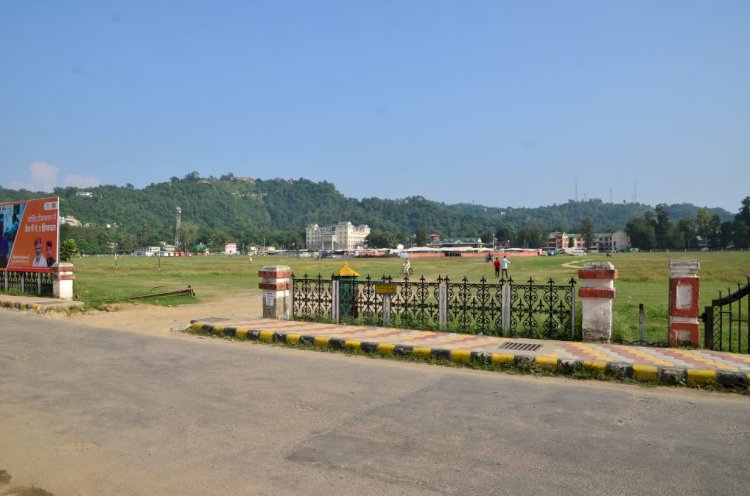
<point x="572" y="310"/>
<point x="641" y="322"/>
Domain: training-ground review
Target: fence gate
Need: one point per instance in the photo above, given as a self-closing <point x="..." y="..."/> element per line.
<point x="500" y="308"/>
<point x="726" y="322"/>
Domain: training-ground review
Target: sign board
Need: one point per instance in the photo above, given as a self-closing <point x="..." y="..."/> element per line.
<point x="385" y="289"/>
<point x="29" y="234"/>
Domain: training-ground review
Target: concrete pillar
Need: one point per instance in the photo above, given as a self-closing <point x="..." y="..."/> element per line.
<point x="684" y="289"/>
<point x="596" y="295"/>
<point x="63" y="275"/>
<point x="276" y="296"/>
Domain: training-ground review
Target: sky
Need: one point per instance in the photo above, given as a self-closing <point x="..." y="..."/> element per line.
<point x="497" y="103"/>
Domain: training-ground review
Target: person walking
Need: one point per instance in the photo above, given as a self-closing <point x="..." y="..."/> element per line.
<point x="496" y="263"/>
<point x="504" y="266"/>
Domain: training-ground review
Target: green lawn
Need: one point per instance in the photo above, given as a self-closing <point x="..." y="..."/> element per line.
<point x="643" y="278"/>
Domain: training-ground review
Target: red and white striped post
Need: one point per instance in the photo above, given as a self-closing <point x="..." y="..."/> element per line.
<point x="596" y="295"/>
<point x="63" y="275"/>
<point x="684" y="289"/>
<point x="276" y="285"/>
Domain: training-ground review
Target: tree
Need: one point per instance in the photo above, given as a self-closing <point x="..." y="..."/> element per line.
<point x="663" y="229"/>
<point x="727" y="234"/>
<point x="741" y="234"/>
<point x="188" y="234"/>
<point x="532" y="237"/>
<point x="686" y="232"/>
<point x="586" y="229"/>
<point x="703" y="224"/>
<point x="381" y="239"/>
<point x="714" y="233"/>
<point x="642" y="233"/>
<point x="744" y="213"/>
<point x="420" y="237"/>
<point x="506" y="234"/>
<point x="742" y="225"/>
<point x="68" y="250"/>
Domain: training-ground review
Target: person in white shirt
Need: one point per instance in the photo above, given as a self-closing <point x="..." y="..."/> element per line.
<point x="504" y="266"/>
<point x="39" y="261"/>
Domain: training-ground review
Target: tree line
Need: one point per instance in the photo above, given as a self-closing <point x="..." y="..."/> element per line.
<point x="658" y="230"/>
<point x="275" y="212"/>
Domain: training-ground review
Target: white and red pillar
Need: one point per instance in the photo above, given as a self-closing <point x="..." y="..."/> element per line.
<point x="596" y="295"/>
<point x="684" y="289"/>
<point x="276" y="283"/>
<point x="63" y="275"/>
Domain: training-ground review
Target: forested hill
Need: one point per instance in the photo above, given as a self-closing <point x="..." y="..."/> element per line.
<point x="247" y="210"/>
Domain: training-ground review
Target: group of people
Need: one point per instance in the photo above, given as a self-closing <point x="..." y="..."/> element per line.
<point x="501" y="266"/>
<point x="43" y="260"/>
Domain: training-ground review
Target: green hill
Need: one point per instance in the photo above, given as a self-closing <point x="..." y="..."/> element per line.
<point x="276" y="211"/>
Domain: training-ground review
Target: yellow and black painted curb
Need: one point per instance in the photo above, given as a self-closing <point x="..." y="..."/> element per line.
<point x="17" y="305"/>
<point x="637" y="372"/>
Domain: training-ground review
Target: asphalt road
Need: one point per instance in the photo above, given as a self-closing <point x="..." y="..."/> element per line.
<point x="87" y="411"/>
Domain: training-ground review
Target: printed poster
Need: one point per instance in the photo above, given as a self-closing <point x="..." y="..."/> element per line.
<point x="29" y="235"/>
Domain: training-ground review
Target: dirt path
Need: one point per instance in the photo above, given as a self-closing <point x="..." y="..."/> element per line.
<point x="159" y="320"/>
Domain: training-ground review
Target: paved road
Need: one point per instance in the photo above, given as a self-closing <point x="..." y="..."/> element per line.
<point x="89" y="411"/>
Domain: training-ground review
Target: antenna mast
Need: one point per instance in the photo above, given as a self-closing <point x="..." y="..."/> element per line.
<point x="177" y="228"/>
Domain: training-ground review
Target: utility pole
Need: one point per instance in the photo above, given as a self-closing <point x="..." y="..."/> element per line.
<point x="177" y="229"/>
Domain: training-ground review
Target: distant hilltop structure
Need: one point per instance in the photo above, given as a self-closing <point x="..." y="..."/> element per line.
<point x="341" y="236"/>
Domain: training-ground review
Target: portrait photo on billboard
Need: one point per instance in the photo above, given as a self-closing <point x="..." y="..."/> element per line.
<point x="30" y="234"/>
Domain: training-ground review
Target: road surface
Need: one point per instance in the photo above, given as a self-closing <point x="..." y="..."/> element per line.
<point x="91" y="411"/>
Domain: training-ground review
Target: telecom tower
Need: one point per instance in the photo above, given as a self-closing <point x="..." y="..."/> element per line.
<point x="177" y="229"/>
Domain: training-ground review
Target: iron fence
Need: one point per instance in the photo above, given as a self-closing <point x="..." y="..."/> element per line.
<point x="34" y="283"/>
<point x="501" y="308"/>
<point x="726" y="322"/>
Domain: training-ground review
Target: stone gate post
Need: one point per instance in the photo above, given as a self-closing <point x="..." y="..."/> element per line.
<point x="276" y="284"/>
<point x="63" y="275"/>
<point x="684" y="288"/>
<point x="596" y="295"/>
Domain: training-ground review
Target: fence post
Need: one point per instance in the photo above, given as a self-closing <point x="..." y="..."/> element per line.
<point x="335" y="299"/>
<point x="684" y="287"/>
<point x="597" y="294"/>
<point x="275" y="285"/>
<point x="443" y="305"/>
<point x="505" y="309"/>
<point x="386" y="310"/>
<point x="63" y="275"/>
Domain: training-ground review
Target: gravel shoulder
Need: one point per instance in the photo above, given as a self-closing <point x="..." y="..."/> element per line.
<point x="161" y="320"/>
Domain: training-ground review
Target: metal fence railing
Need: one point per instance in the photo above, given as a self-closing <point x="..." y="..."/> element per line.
<point x="33" y="283"/>
<point x="501" y="308"/>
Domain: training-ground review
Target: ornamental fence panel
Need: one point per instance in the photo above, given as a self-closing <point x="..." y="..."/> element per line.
<point x="31" y="283"/>
<point x="727" y="321"/>
<point x="499" y="308"/>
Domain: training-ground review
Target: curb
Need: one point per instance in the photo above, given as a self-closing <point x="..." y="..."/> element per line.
<point x="17" y="305"/>
<point x="668" y="376"/>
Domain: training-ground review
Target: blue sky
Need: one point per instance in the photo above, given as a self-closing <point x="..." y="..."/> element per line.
<point x="499" y="103"/>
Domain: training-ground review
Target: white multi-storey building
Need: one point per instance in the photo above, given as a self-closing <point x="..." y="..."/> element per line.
<point x="342" y="236"/>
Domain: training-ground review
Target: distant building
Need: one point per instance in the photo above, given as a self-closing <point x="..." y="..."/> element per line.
<point x="614" y="241"/>
<point x="69" y="220"/>
<point x="603" y="242"/>
<point x="557" y="241"/>
<point x="341" y="236"/>
<point x="230" y="249"/>
<point x="461" y="242"/>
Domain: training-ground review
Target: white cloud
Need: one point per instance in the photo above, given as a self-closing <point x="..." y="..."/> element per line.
<point x="43" y="177"/>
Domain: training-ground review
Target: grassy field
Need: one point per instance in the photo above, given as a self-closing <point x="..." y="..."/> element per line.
<point x="643" y="278"/>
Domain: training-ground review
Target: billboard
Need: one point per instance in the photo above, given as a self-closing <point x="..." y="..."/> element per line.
<point x="29" y="234"/>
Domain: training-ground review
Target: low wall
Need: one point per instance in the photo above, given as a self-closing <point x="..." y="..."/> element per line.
<point x="472" y="255"/>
